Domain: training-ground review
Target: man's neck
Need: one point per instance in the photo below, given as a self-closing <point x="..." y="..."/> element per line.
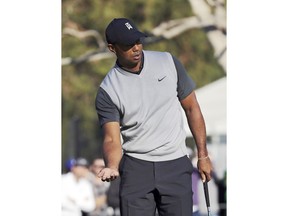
<point x="136" y="69"/>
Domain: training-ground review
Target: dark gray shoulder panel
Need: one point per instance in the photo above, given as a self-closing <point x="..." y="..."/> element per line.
<point x="185" y="84"/>
<point x="106" y="109"/>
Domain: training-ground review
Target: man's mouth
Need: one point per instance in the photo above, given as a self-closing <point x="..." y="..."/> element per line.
<point x="137" y="56"/>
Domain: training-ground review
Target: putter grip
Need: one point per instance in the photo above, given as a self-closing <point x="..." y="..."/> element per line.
<point x="206" y="192"/>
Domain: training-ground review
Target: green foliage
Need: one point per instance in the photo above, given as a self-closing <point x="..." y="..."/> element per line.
<point x="81" y="82"/>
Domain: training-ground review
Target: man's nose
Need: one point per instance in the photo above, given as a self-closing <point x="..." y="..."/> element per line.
<point x="136" y="47"/>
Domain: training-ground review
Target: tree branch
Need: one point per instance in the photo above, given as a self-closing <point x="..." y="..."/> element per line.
<point x="84" y="34"/>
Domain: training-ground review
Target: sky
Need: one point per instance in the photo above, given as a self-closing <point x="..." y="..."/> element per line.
<point x="30" y="113"/>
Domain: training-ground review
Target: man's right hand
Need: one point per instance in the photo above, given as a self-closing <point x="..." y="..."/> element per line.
<point x="108" y="174"/>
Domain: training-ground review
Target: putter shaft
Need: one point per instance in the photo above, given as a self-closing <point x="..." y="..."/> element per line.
<point x="207" y="199"/>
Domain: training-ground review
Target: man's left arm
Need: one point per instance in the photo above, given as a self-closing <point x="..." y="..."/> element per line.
<point x="197" y="127"/>
<point x="188" y="100"/>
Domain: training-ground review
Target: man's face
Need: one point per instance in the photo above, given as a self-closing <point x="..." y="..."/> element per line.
<point x="128" y="56"/>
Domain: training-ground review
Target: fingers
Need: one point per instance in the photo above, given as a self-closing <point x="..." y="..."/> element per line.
<point x="203" y="177"/>
<point x="108" y="174"/>
<point x="205" y="169"/>
<point x="109" y="178"/>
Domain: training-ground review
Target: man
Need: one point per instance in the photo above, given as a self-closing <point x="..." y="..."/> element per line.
<point x="140" y="99"/>
<point x="77" y="191"/>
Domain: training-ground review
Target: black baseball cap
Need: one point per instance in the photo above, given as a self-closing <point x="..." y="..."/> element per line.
<point x="122" y="31"/>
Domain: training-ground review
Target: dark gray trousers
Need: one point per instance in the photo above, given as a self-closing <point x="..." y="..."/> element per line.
<point x="146" y="186"/>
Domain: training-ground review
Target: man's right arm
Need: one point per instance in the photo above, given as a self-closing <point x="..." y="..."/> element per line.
<point x="109" y="118"/>
<point x="112" y="151"/>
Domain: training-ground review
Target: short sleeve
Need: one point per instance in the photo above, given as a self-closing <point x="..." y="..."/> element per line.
<point x="185" y="84"/>
<point x="106" y="109"/>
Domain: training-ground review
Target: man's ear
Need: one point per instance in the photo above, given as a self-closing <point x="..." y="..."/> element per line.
<point x="111" y="48"/>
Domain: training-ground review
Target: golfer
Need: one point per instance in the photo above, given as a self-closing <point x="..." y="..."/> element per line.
<point x="141" y="99"/>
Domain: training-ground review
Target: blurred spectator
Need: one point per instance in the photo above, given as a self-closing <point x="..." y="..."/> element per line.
<point x="77" y="191"/>
<point x="69" y="164"/>
<point x="100" y="189"/>
<point x="222" y="196"/>
<point x="195" y="181"/>
<point x="220" y="183"/>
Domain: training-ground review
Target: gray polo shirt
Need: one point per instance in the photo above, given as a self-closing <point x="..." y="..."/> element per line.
<point x="147" y="106"/>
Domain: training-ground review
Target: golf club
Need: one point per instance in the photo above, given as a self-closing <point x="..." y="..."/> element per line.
<point x="206" y="192"/>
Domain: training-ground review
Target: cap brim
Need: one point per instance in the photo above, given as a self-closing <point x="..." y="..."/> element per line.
<point x="132" y="39"/>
